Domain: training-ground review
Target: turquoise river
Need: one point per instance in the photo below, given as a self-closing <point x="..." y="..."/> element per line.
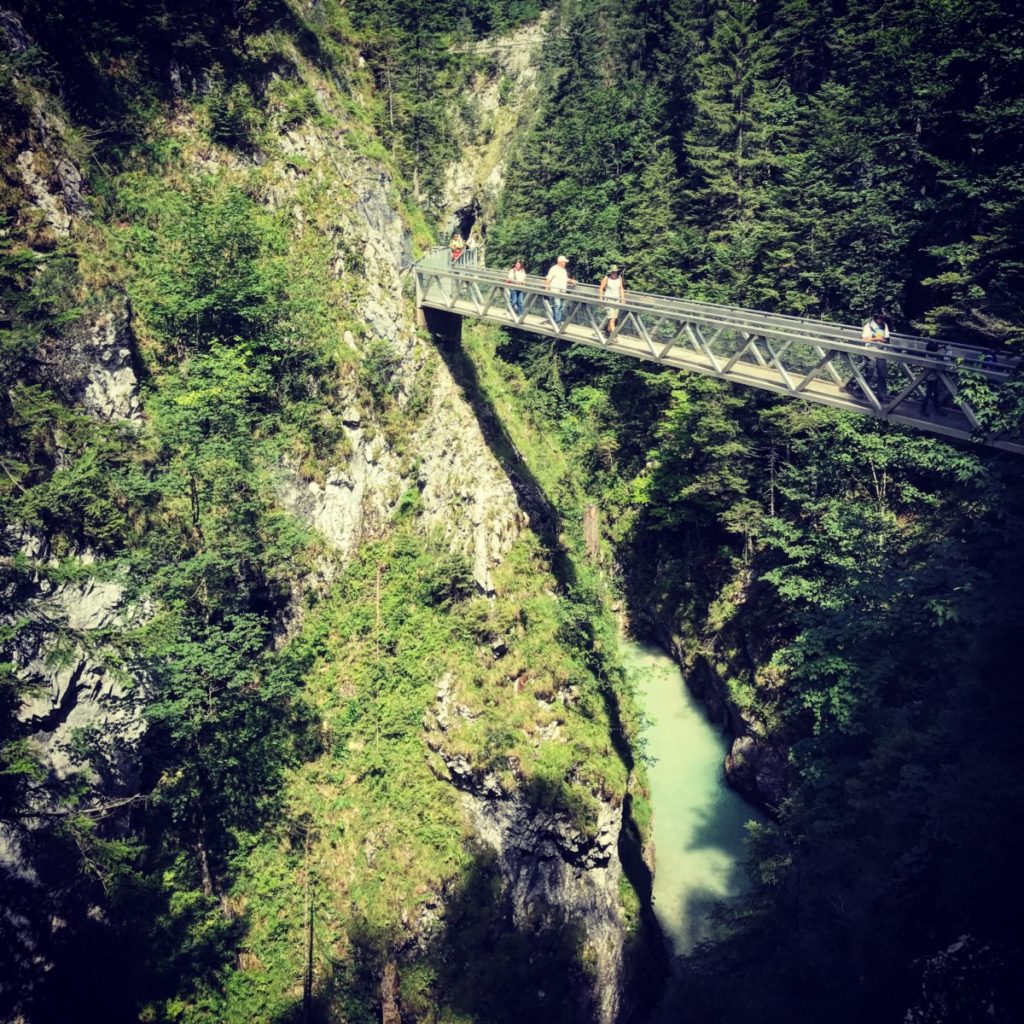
<point x="699" y="822"/>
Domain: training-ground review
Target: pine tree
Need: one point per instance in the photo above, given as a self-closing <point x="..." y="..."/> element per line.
<point x="742" y="115"/>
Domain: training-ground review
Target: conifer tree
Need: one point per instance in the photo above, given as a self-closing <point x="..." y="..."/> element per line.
<point x="741" y="116"/>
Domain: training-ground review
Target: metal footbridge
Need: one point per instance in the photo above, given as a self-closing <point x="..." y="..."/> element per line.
<point x="815" y="360"/>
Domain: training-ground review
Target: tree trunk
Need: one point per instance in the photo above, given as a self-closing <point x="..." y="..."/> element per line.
<point x="390" y="1012"/>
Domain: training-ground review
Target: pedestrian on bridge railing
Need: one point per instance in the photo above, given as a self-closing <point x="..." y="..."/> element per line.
<point x="557" y="282"/>
<point x="612" y="288"/>
<point x="876" y="332"/>
<point x="516" y="275"/>
<point x="931" y="385"/>
<point x="457" y="245"/>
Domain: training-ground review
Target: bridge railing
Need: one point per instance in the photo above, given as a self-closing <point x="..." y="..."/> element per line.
<point x="985" y="361"/>
<point x="441" y="256"/>
<point x="815" y="360"/>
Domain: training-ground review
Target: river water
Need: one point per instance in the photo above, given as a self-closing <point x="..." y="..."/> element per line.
<point x="698" y="820"/>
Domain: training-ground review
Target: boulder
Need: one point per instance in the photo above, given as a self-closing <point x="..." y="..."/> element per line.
<point x="93" y="364"/>
<point x="757" y="770"/>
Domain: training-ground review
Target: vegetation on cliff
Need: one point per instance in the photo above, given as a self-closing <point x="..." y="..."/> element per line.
<point x="851" y="588"/>
<point x="298" y="826"/>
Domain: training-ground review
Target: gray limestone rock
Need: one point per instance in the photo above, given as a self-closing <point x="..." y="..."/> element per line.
<point x="37" y="183"/>
<point x="475" y="179"/>
<point x="463" y="491"/>
<point x="80" y="689"/>
<point x="74" y="688"/>
<point x="93" y="364"/>
<point x="757" y="770"/>
<point x="50" y="179"/>
<point x="552" y="873"/>
<point x="13" y="33"/>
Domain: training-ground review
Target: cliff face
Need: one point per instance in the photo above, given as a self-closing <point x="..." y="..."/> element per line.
<point x="71" y="680"/>
<point x="497" y="108"/>
<point x="462" y="489"/>
<point x="553" y="874"/>
<point x="63" y="607"/>
<point x="550" y="873"/>
<point x="536" y="796"/>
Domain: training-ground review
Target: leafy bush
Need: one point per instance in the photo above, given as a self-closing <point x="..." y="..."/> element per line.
<point x="234" y="118"/>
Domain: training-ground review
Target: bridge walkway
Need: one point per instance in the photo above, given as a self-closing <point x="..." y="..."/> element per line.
<point x="815" y="360"/>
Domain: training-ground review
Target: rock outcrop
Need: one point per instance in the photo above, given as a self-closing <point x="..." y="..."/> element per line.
<point x="757" y="769"/>
<point x="83" y="688"/>
<point x="553" y="873"/>
<point x="93" y="364"/>
<point x="75" y="713"/>
<point x="42" y="165"/>
<point x="80" y="721"/>
<point x="484" y="132"/>
<point x="463" y="491"/>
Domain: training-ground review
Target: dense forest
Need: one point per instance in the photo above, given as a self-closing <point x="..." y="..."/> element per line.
<point x="854" y="589"/>
<point x="288" y="845"/>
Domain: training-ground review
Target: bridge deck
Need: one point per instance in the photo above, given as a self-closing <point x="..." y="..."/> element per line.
<point x="814" y="360"/>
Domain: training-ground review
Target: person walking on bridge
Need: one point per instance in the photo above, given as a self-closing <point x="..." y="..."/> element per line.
<point x="614" y="287"/>
<point x="515" y="276"/>
<point x="876" y="332"/>
<point x="557" y="282"/>
<point x="931" y="384"/>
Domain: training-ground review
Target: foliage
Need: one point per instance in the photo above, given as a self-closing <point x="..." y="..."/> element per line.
<point x="421" y="60"/>
<point x="379" y="370"/>
<point x="849" y="587"/>
<point x="854" y="588"/>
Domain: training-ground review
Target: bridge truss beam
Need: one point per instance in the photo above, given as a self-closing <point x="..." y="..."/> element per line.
<point x="813" y="360"/>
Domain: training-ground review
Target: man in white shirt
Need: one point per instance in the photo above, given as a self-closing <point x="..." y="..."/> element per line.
<point x="876" y="332"/>
<point x="557" y="282"/>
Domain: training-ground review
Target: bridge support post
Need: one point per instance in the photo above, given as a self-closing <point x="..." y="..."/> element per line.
<point x="421" y="320"/>
<point x="444" y="327"/>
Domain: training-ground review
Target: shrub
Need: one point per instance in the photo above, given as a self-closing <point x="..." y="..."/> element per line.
<point x="379" y="372"/>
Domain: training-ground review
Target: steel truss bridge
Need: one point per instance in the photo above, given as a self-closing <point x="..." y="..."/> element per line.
<point x="814" y="360"/>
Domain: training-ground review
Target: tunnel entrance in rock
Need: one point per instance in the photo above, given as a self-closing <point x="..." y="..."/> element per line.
<point x="466" y="217"/>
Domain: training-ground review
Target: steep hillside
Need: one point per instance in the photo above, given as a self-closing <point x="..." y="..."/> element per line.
<point x="300" y="713"/>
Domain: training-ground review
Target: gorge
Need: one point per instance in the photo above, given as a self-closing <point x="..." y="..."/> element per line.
<point x="314" y="700"/>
